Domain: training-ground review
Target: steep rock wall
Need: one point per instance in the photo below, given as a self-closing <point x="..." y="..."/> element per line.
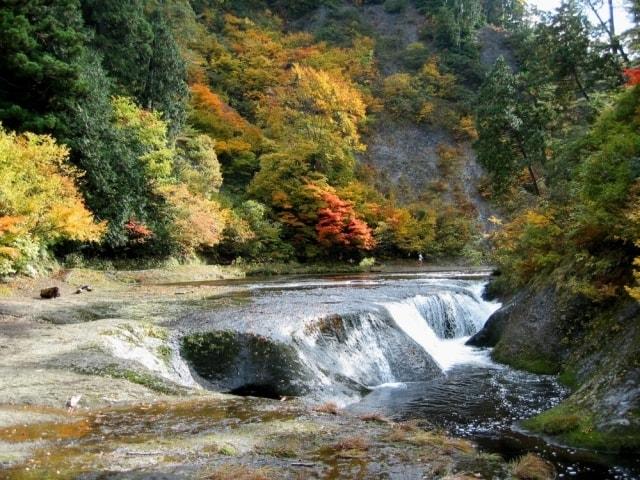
<point x="596" y="350"/>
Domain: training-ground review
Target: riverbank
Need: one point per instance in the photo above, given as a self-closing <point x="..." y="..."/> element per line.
<point x="593" y="347"/>
<point x="141" y="413"/>
<point x="231" y="438"/>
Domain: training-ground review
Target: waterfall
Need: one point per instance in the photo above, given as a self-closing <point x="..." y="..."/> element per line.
<point x="442" y="321"/>
<point x="349" y="345"/>
<point x="361" y="335"/>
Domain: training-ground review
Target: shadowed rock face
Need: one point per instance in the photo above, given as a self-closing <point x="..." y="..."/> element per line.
<point x="246" y="363"/>
<point x="529" y="329"/>
<point x="550" y="330"/>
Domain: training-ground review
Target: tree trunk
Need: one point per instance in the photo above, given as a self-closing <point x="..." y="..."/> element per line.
<point x="615" y="44"/>
<point x="579" y="83"/>
<point x="612" y="25"/>
<point x="534" y="180"/>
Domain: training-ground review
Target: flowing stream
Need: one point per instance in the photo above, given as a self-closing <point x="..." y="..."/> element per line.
<point x="395" y="344"/>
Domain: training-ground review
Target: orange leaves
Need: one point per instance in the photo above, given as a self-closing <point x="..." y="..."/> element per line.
<point x="204" y="99"/>
<point x="280" y="199"/>
<point x="339" y="226"/>
<point x="633" y="75"/>
<point x="198" y="223"/>
<point x="11" y="224"/>
<point x="39" y="194"/>
<point x="212" y="115"/>
<point x="39" y="201"/>
<point x="137" y="231"/>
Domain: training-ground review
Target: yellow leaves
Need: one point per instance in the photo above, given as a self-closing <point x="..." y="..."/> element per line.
<point x="280" y="199"/>
<point x="426" y="110"/>
<point x="39" y="201"/>
<point x="198" y="223"/>
<point x="73" y="221"/>
<point x="151" y="129"/>
<point x="634" y="291"/>
<point x="330" y="96"/>
<point x="408" y="232"/>
<point x="10" y="253"/>
<point x="38" y="191"/>
<point x="467" y="127"/>
<point x="212" y="115"/>
<point x="399" y="84"/>
<point x="440" y="83"/>
<point x="531" y="243"/>
<point x="533" y="217"/>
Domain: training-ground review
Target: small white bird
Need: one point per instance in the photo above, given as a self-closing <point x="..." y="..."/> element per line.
<point x="73" y="402"/>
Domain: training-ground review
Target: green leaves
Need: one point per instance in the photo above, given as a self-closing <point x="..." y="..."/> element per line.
<point x="511" y="129"/>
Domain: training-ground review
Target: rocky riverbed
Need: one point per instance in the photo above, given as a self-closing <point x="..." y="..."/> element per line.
<point x="142" y="414"/>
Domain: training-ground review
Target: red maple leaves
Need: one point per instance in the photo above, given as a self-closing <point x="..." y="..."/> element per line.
<point x="633" y="75"/>
<point x="137" y="231"/>
<point x="338" y="225"/>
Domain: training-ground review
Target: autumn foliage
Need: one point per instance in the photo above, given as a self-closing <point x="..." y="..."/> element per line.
<point x="633" y="75"/>
<point x="40" y="204"/>
<point x="339" y="226"/>
<point x="137" y="231"/>
<point x="216" y="117"/>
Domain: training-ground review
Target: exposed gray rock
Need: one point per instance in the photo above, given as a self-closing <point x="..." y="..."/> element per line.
<point x="597" y="346"/>
<point x="526" y="330"/>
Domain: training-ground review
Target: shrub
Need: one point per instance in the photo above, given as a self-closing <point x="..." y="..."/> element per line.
<point x="532" y="467"/>
<point x="39" y="201"/>
<point x="395" y="6"/>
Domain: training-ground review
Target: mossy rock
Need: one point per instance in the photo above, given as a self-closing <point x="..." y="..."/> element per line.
<point x="246" y="363"/>
<point x="576" y="426"/>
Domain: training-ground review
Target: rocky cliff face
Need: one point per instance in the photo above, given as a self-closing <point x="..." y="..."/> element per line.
<point x="406" y="153"/>
<point x="596" y="350"/>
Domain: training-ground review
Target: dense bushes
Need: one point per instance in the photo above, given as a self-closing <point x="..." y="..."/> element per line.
<point x="40" y="204"/>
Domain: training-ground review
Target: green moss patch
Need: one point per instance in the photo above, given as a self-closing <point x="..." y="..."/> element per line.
<point x="211" y="353"/>
<point x="528" y="362"/>
<point x="576" y="426"/>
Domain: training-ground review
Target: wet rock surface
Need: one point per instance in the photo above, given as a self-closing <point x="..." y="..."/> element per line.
<point x="594" y="347"/>
<point x="145" y="414"/>
<point x="227" y="437"/>
<point x="527" y="329"/>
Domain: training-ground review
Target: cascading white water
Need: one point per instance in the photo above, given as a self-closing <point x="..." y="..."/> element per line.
<point x="358" y="355"/>
<point x="442" y="321"/>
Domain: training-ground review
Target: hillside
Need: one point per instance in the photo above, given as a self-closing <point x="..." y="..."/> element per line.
<point x="247" y="131"/>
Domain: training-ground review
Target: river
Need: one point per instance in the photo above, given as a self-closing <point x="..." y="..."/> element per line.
<point x="351" y="356"/>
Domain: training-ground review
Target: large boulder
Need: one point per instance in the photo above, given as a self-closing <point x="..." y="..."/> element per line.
<point x="528" y="331"/>
<point x="596" y="349"/>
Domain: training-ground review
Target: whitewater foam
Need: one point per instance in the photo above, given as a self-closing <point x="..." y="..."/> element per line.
<point x="429" y="319"/>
